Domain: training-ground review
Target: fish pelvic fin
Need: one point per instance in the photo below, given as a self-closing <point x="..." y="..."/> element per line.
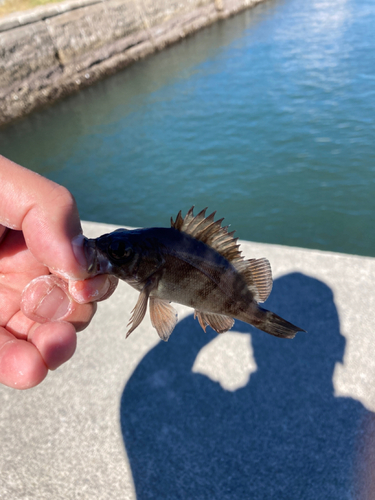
<point x="273" y="324"/>
<point x="256" y="272"/>
<point x="218" y="322"/>
<point x="163" y="317"/>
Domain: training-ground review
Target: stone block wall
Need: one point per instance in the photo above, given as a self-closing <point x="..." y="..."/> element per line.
<point x="54" y="50"/>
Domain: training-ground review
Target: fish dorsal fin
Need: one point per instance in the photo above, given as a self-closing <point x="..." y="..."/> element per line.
<point x="210" y="232"/>
<point x="256" y="272"/>
<point x="259" y="272"/>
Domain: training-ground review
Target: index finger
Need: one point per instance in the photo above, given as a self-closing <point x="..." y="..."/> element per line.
<point x="48" y="216"/>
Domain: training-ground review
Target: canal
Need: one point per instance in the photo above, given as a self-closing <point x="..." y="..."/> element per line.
<point x="268" y="118"/>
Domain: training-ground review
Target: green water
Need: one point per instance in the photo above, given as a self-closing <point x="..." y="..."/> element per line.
<point x="268" y="118"/>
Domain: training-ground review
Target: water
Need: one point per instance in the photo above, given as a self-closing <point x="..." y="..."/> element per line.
<point x="268" y="118"/>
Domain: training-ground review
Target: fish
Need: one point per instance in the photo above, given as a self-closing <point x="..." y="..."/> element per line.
<point x="196" y="262"/>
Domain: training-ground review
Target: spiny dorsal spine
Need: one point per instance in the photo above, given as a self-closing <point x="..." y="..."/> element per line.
<point x="210" y="232"/>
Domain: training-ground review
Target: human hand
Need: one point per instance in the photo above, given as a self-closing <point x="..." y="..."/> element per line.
<point x="46" y="294"/>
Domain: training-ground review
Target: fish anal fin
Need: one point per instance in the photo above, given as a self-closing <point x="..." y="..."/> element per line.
<point x="138" y="312"/>
<point x="163" y="317"/>
<point x="262" y="277"/>
<point x="198" y="314"/>
<point x="218" y="322"/>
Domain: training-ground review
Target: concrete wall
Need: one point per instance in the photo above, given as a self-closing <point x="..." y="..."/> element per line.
<point x="236" y="416"/>
<point x="54" y="50"/>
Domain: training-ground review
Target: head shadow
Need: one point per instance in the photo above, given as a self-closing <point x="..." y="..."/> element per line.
<point x="284" y="435"/>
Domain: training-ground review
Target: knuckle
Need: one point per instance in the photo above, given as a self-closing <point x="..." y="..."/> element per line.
<point x="62" y="197"/>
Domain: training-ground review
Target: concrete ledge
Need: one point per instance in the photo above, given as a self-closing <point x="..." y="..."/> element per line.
<point x="53" y="51"/>
<point x="232" y="416"/>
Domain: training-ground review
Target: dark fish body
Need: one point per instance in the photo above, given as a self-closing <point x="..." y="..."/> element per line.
<point x="197" y="263"/>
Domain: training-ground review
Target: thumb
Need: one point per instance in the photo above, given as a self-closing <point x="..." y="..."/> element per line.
<point x="47" y="214"/>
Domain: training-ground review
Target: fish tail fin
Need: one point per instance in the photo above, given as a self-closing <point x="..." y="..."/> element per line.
<point x="273" y="324"/>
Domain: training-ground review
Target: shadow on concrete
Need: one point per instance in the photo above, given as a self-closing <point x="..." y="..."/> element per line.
<point x="283" y="436"/>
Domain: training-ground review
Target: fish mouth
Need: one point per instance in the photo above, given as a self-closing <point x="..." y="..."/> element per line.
<point x="91" y="255"/>
<point x="97" y="258"/>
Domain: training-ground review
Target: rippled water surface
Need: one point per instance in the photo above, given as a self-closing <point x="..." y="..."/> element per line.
<point x="268" y="118"/>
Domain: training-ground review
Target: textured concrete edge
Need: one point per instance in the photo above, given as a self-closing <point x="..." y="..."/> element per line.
<point x="17" y="19"/>
<point x="19" y="99"/>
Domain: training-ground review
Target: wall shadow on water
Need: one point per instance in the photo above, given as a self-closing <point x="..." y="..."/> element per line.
<point x="283" y="436"/>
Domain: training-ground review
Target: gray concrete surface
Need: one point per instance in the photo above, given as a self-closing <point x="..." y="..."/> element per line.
<point x="241" y="415"/>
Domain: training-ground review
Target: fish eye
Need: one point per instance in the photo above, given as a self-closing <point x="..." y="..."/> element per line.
<point x="119" y="251"/>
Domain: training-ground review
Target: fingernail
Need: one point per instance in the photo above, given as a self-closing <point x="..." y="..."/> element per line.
<point x="79" y="251"/>
<point x="46" y="298"/>
<point x="55" y="305"/>
<point x="93" y="289"/>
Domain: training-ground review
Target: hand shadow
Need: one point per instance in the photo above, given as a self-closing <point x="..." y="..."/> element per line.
<point x="283" y="436"/>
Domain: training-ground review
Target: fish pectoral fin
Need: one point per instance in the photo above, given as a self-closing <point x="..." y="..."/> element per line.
<point x="218" y="322"/>
<point x="163" y="317"/>
<point x="139" y="311"/>
<point x="140" y="308"/>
